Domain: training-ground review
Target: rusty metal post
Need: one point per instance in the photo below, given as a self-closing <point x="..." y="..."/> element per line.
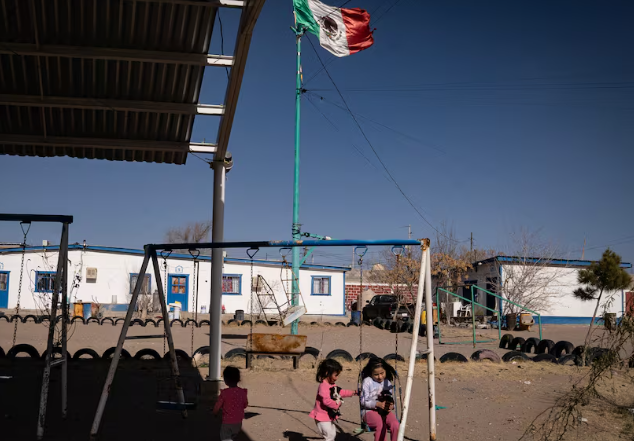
<point x="51" y="334"/>
<point x="117" y="353"/>
<point x="64" y="249"/>
<point x="431" y="380"/>
<point x="168" y="331"/>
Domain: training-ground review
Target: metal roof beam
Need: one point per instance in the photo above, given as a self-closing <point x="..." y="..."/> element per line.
<point x="200" y="147"/>
<point x="106" y="143"/>
<point x="206" y="3"/>
<point x="110" y="104"/>
<point x="104" y="53"/>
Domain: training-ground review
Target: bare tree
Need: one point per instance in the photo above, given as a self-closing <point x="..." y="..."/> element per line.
<point x="193" y="232"/>
<point x="400" y="272"/>
<point x="529" y="278"/>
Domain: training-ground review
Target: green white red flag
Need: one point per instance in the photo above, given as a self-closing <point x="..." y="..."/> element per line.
<point x="341" y="31"/>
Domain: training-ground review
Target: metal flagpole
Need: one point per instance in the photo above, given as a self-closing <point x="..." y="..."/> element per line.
<point x="296" y="226"/>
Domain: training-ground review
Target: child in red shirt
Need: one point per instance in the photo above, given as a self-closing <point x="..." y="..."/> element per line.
<point x="232" y="401"/>
<point x="328" y="401"/>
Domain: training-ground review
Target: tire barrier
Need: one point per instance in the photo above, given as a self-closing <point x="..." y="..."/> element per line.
<point x="92" y="320"/>
<point x="235" y="353"/>
<point x="116" y="322"/>
<point x="107" y="319"/>
<point x="342" y="324"/>
<point x="56" y="350"/>
<point x="545" y="358"/>
<point x="453" y="357"/>
<point x="561" y="347"/>
<point x="159" y="322"/>
<point x="30" y="316"/>
<point x="530" y="345"/>
<point x="516" y="344"/>
<point x="506" y="340"/>
<point x="485" y="354"/>
<point x="327" y="324"/>
<point x="23" y="349"/>
<point x="2" y="354"/>
<point x="545" y="347"/>
<point x="367" y="323"/>
<point x="137" y="322"/>
<point x="515" y="356"/>
<point x="396" y="357"/>
<point x="78" y="318"/>
<point x="365" y="356"/>
<point x="150" y="322"/>
<point x="352" y="324"/>
<point x="176" y="321"/>
<point x="340" y="353"/>
<point x="594" y="354"/>
<point x="405" y="326"/>
<point x="203" y="350"/>
<point x="570" y="360"/>
<point x="246" y="323"/>
<point x="311" y="351"/>
<point x="15" y="317"/>
<point x="108" y="353"/>
<point x="376" y="322"/>
<point x="233" y="322"/>
<point x="45" y="317"/>
<point x="86" y="351"/>
<point x="6" y="317"/>
<point x="147" y="354"/>
<point x="205" y="322"/>
<point x="188" y="321"/>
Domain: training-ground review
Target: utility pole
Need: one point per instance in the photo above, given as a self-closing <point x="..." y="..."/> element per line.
<point x="472" y="259"/>
<point x="409" y="236"/>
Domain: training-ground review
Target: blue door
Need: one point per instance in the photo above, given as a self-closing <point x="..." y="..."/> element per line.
<point x="4" y="289"/>
<point x="177" y="289"/>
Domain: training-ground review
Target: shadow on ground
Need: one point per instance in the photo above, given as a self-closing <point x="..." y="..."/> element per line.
<point x="131" y="412"/>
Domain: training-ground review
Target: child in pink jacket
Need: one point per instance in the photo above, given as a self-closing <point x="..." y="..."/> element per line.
<point x="328" y="401"/>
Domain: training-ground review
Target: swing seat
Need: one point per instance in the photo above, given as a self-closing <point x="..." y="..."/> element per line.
<point x="293" y="314"/>
<point x="172" y="405"/>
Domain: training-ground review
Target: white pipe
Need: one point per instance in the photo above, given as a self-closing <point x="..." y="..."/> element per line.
<point x="412" y="351"/>
<point x="217" y="260"/>
<point x="431" y="381"/>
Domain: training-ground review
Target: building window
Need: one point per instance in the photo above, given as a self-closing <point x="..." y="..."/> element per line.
<point x="4" y="278"/>
<point x="231" y="284"/>
<point x="320" y="286"/>
<point x="45" y="281"/>
<point x="145" y="288"/>
<point x="179" y="284"/>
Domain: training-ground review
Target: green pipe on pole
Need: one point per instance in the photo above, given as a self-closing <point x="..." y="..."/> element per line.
<point x="297" y="235"/>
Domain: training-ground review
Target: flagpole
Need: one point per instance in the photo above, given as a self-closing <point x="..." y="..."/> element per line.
<point x="296" y="225"/>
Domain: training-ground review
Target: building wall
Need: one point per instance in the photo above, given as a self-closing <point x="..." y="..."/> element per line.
<point x="112" y="286"/>
<point x="564" y="307"/>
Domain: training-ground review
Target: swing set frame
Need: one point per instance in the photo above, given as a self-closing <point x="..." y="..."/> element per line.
<point x="151" y="254"/>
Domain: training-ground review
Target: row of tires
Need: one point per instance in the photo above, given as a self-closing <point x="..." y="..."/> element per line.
<point x="518" y="356"/>
<point x="537" y="346"/>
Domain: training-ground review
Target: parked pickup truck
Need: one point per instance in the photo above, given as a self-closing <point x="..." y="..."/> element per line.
<point x="384" y="306"/>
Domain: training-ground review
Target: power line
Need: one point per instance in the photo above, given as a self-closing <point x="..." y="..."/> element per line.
<point x="374" y="150"/>
<point x="384" y="13"/>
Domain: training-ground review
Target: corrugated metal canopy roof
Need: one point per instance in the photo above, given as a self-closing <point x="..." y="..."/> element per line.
<point x="113" y="79"/>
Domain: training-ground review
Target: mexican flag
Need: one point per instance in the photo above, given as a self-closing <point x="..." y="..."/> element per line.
<point x="341" y="31"/>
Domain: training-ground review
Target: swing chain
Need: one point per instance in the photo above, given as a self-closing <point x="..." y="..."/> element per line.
<point x="194" y="306"/>
<point x="165" y="256"/>
<point x="17" y="307"/>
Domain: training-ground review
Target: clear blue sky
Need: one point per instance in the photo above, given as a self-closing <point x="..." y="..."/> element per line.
<point x="501" y="115"/>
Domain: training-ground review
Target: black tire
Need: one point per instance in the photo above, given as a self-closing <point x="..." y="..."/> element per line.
<point x="594" y="354"/>
<point x="6" y="317"/>
<point x="235" y="353"/>
<point x="137" y="322"/>
<point x="376" y="322"/>
<point x="342" y="324"/>
<point x="516" y="344"/>
<point x="561" y="347"/>
<point x="116" y="322"/>
<point x="30" y="316"/>
<point x="45" y="317"/>
<point x="2" y="354"/>
<point x="107" y="319"/>
<point x="395" y="327"/>
<point x="453" y="357"/>
<point x="515" y="356"/>
<point x="78" y="318"/>
<point x="159" y="322"/>
<point x="147" y="353"/>
<point x="327" y="324"/>
<point x="179" y="321"/>
<point x="405" y="326"/>
<point x="233" y="322"/>
<point x="188" y="321"/>
<point x="92" y="320"/>
<point x="15" y="317"/>
<point x="420" y="356"/>
<point x="545" y="358"/>
<point x="150" y="322"/>
<point x="485" y="354"/>
<point x="246" y="323"/>
<point x="578" y="350"/>
<point x="570" y="360"/>
<point x="56" y="350"/>
<point x="365" y="356"/>
<point x="410" y="328"/>
<point x="352" y="324"/>
<point x="108" y="353"/>
<point x="311" y="324"/>
<point x="530" y="345"/>
<point x="180" y="355"/>
<point x="396" y="357"/>
<point x="367" y="323"/>
<point x="385" y="324"/>
<point x="203" y="322"/>
<point x="23" y="348"/>
<point x="58" y="319"/>
<point x="203" y="350"/>
<point x="312" y="351"/>
<point x="340" y="353"/>
<point x="545" y="347"/>
<point x="506" y="340"/>
<point x="86" y="351"/>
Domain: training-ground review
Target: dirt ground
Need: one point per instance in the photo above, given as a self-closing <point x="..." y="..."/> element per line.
<point x="483" y="401"/>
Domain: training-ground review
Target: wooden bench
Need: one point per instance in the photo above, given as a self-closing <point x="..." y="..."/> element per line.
<point x="292" y="346"/>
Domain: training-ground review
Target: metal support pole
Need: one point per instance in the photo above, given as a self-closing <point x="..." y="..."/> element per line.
<point x="168" y="331"/>
<point x="297" y="235"/>
<point x="64" y="249"/>
<point x="431" y="382"/>
<point x="51" y="334"/>
<point x="473" y="316"/>
<point x="117" y="353"/>
<point x="217" y="263"/>
<point x="422" y="283"/>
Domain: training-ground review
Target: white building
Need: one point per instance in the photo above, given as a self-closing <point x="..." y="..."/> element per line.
<point x="107" y="275"/>
<point x="559" y="278"/>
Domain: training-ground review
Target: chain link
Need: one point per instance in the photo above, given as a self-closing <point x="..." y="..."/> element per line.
<point x="165" y="300"/>
<point x="193" y="307"/>
<point x="17" y="307"/>
<point x="359" y="309"/>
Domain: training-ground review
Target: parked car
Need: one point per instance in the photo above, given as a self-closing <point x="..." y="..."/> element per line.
<point x="384" y="306"/>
